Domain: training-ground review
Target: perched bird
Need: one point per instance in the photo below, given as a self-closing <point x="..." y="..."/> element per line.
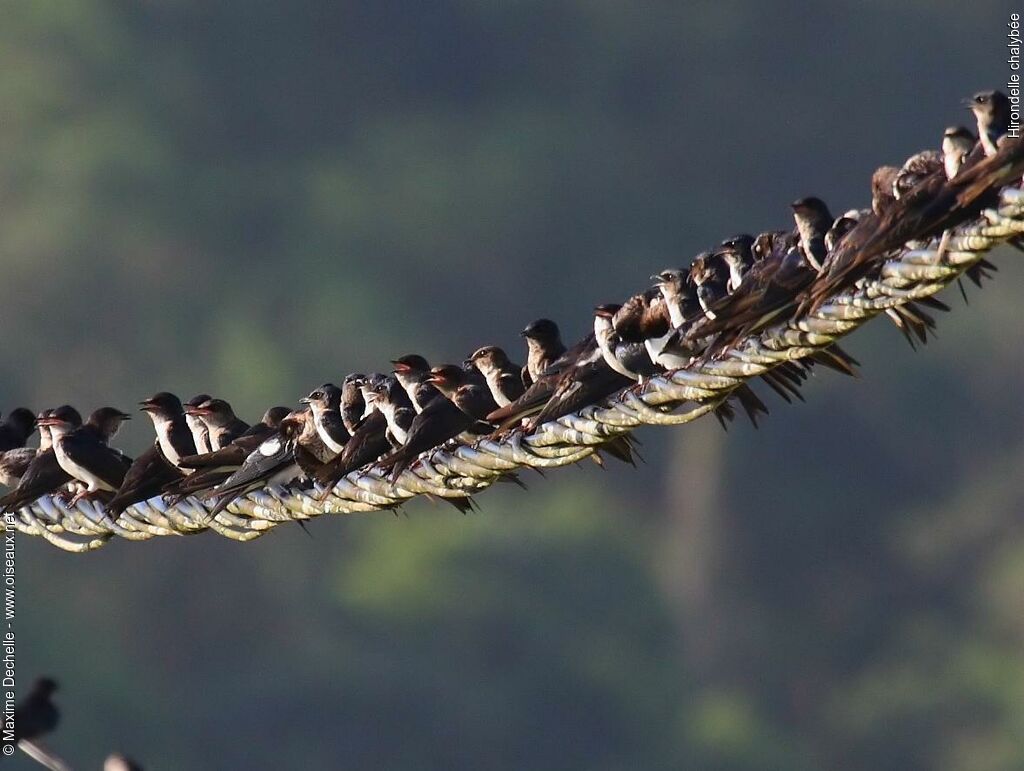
<point x="680" y="295"/>
<point x="882" y="197"/>
<point x="325" y="403"/>
<point x="957" y="143"/>
<point x="537" y="395"/>
<point x="212" y="468"/>
<point x="44" y="475"/>
<point x="84" y="452"/>
<point x="992" y="112"/>
<point x="915" y="170"/>
<point x="387" y="395"/>
<point x="36" y="715"/>
<point x="233" y="454"/>
<point x="813" y="221"/>
<point x="710" y="276"/>
<point x="586" y="380"/>
<point x="369" y="441"/>
<point x="221" y="422"/>
<point x="272" y="463"/>
<point x="629" y="359"/>
<point x="456" y="385"/>
<point x="172" y="430"/>
<point x="441" y="419"/>
<point x="353" y="406"/>
<point x="935" y="205"/>
<point x="412" y="371"/>
<point x="14" y="463"/>
<point x="148" y="475"/>
<point x="738" y="254"/>
<point x="200" y="433"/>
<point x="642" y="316"/>
<point x="842" y="225"/>
<point x="504" y="379"/>
<point x="543" y="346"/>
<point x="767" y="291"/>
<point x="16" y="429"/>
<point x="656" y="317"/>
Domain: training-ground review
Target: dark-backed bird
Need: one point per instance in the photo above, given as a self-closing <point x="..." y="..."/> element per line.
<point x="842" y="225"/>
<point x="738" y="254"/>
<point x="272" y="463"/>
<point x="450" y="378"/>
<point x="543" y="346"/>
<point x="537" y="395"/>
<point x="710" y="276"/>
<point x="915" y="170"/>
<point x="504" y="379"/>
<point x="934" y="206"/>
<point x="16" y="429"/>
<point x="768" y="289"/>
<point x="992" y="112"/>
<point x="387" y="395"/>
<point x="642" y="316"/>
<point x="44" y="475"/>
<point x="586" y="380"/>
<point x="412" y="371"/>
<point x="353" y="406"/>
<point x="882" y="197"/>
<point x="212" y="468"/>
<point x="84" y="452"/>
<point x="147" y="477"/>
<point x="325" y="403"/>
<point x="200" y="432"/>
<point x="629" y="359"/>
<point x="680" y="295"/>
<point x="957" y="143"/>
<point x="442" y="419"/>
<point x="14" y="463"/>
<point x="35" y="714"/>
<point x="368" y="442"/>
<point x="220" y="419"/>
<point x="813" y="220"/>
<point x="456" y="385"/>
<point x="172" y="431"/>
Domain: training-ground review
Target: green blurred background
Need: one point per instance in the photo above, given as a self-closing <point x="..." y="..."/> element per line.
<point x="251" y="198"/>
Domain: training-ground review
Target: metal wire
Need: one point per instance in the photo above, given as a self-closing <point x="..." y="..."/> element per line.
<point x="462" y="470"/>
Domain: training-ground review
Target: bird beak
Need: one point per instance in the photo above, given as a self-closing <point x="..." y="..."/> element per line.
<point x="305" y="400"/>
<point x="146" y="406"/>
<point x="125" y="416"/>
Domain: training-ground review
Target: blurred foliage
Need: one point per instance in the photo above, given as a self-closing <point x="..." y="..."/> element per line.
<point x="252" y="198"/>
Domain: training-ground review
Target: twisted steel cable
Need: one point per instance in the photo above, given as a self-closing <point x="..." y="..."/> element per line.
<point x="674" y="398"/>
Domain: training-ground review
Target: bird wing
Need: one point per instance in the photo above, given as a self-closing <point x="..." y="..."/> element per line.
<point x="106" y="463"/>
<point x="43" y="476"/>
<point x="146" y="477"/>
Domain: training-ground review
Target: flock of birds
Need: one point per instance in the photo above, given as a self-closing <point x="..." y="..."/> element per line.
<point x="389" y="420"/>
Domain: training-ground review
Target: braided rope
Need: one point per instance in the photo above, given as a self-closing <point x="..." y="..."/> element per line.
<point x="674" y="398"/>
